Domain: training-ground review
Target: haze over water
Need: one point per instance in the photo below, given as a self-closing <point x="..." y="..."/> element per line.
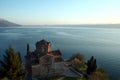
<point x="103" y="43"/>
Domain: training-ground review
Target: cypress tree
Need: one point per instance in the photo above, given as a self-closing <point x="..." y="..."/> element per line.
<point x="11" y="65"/>
<point x="91" y="65"/>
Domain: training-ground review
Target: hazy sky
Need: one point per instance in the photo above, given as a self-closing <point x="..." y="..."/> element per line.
<point x="61" y="11"/>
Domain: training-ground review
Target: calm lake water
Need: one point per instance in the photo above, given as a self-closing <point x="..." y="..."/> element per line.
<point x="103" y="43"/>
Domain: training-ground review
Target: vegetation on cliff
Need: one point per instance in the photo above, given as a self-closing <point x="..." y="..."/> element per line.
<point x="89" y="69"/>
<point x="77" y="61"/>
<point x="99" y="74"/>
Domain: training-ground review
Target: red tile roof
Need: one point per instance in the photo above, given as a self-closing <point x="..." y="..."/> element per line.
<point x="55" y="53"/>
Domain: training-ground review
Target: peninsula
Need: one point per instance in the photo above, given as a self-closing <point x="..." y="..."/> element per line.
<point x="47" y="64"/>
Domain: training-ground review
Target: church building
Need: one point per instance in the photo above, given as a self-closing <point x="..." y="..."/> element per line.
<point x="43" y="61"/>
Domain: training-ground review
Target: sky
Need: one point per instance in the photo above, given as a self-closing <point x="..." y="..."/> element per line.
<point x="45" y="12"/>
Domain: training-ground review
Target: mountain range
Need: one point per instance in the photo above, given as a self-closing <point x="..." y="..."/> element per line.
<point x="6" y="23"/>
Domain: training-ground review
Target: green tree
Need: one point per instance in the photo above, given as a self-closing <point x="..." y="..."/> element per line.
<point x="11" y="65"/>
<point x="91" y="65"/>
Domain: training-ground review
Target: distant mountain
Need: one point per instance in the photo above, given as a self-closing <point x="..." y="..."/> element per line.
<point x="5" y="23"/>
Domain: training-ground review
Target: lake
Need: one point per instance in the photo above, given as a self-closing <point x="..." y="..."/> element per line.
<point x="101" y="42"/>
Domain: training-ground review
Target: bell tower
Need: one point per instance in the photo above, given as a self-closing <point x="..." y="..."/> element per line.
<point x="49" y="47"/>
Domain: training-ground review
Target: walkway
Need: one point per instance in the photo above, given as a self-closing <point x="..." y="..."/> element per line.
<point x="70" y="72"/>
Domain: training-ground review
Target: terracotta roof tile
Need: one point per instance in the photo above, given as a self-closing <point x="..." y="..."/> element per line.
<point x="55" y="53"/>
